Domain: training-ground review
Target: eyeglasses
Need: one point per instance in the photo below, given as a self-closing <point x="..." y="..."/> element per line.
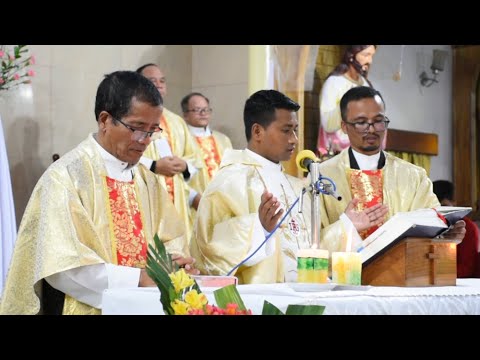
<point x="364" y="126"/>
<point x="139" y="135"/>
<point x="201" y="111"/>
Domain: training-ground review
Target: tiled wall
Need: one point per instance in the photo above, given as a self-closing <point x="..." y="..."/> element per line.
<point x="221" y="74"/>
<point x="56" y="112"/>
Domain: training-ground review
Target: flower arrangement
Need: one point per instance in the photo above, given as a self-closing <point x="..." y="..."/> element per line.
<point x="181" y="295"/>
<point x="14" y="66"/>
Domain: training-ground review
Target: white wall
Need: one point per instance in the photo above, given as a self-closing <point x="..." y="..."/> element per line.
<point x="413" y="107"/>
<point x="220" y="72"/>
<point x="56" y="112"/>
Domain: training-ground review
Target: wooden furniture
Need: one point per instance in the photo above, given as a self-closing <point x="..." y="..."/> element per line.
<point x="466" y="126"/>
<point x="412" y="142"/>
<point x="414" y="262"/>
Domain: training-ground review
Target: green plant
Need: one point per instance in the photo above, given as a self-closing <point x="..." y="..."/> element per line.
<point x="15" y="62"/>
<point x="181" y="295"/>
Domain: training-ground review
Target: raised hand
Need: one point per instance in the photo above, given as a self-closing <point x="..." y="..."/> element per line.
<point x="267" y="211"/>
<point x="367" y="218"/>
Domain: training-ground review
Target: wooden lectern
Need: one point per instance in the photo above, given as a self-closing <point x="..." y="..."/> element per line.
<point x="414" y="262"/>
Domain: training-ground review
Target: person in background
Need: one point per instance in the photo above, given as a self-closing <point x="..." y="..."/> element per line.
<point x="468" y="256"/>
<point x="172" y="153"/>
<point x="211" y="144"/>
<point x="368" y="178"/>
<point x="351" y="72"/>
<point x="249" y="195"/>
<point x="94" y="211"/>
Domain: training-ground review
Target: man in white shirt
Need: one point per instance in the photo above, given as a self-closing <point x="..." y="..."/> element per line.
<point x="93" y="213"/>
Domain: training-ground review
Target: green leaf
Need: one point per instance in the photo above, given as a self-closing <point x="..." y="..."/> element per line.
<point x="158" y="269"/>
<point x="228" y="294"/>
<point x="270" y="309"/>
<point x="305" y="310"/>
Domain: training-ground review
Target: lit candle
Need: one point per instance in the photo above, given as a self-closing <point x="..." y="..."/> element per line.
<point x="347" y="268"/>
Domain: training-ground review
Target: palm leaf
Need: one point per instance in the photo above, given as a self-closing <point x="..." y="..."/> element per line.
<point x="270" y="309"/>
<point x="159" y="266"/>
<point x="305" y="310"/>
<point x="228" y="294"/>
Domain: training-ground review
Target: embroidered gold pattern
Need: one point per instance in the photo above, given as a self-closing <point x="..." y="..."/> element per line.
<point x="211" y="157"/>
<point x="367" y="186"/>
<point x="127" y="224"/>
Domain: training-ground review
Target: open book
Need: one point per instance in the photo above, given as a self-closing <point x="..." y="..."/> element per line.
<point x="418" y="223"/>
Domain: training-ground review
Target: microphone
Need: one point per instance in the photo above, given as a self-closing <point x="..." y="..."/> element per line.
<point x="329" y="189"/>
<point x="304" y="159"/>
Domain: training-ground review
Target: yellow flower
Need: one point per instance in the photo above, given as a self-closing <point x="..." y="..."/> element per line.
<point x="181" y="280"/>
<point x="195" y="300"/>
<point x="180" y="307"/>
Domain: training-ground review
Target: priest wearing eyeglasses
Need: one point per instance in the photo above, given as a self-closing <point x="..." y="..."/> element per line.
<point x="210" y="144"/>
<point x="93" y="212"/>
<point x="368" y="177"/>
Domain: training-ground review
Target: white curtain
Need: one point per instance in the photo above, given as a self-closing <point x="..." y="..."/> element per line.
<point x="8" y="227"/>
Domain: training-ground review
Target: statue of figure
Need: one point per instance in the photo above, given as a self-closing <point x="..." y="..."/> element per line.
<point x="351" y="72"/>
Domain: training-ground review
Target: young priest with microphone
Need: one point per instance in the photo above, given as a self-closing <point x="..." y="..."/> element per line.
<point x="249" y="195"/>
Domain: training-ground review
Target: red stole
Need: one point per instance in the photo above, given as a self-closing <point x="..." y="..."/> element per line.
<point x="168" y="136"/>
<point x="367" y="186"/>
<point x="126" y="224"/>
<point x="211" y="157"/>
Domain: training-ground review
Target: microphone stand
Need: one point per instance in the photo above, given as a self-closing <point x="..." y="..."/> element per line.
<point x="316" y="188"/>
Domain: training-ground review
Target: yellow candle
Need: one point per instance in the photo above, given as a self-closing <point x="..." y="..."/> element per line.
<point x="312" y="266"/>
<point x="346" y="268"/>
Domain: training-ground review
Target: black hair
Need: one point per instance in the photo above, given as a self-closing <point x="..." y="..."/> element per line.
<point x="261" y="106"/>
<point x="348" y="56"/>
<point x="186" y="99"/>
<point x="117" y="89"/>
<point x="443" y="189"/>
<point x="355" y="94"/>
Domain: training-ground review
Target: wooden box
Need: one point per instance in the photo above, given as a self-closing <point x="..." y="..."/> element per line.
<point x="414" y="262"/>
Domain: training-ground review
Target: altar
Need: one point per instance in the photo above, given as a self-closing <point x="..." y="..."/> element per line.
<point x="463" y="299"/>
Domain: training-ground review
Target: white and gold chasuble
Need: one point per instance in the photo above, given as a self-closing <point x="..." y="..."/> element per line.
<point x="225" y="226"/>
<point x="69" y="223"/>
<point x="406" y="187"/>
<point x="182" y="145"/>
<point x="211" y="149"/>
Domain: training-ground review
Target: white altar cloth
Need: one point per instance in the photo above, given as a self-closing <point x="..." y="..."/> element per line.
<point x="463" y="299"/>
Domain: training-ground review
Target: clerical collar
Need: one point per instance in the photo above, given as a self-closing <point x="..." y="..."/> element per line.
<point x="116" y="169"/>
<point x="360" y="161"/>
<point x="199" y="131"/>
<point x="267" y="164"/>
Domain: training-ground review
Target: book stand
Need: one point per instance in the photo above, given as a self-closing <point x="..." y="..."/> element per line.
<point x="414" y="262"/>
